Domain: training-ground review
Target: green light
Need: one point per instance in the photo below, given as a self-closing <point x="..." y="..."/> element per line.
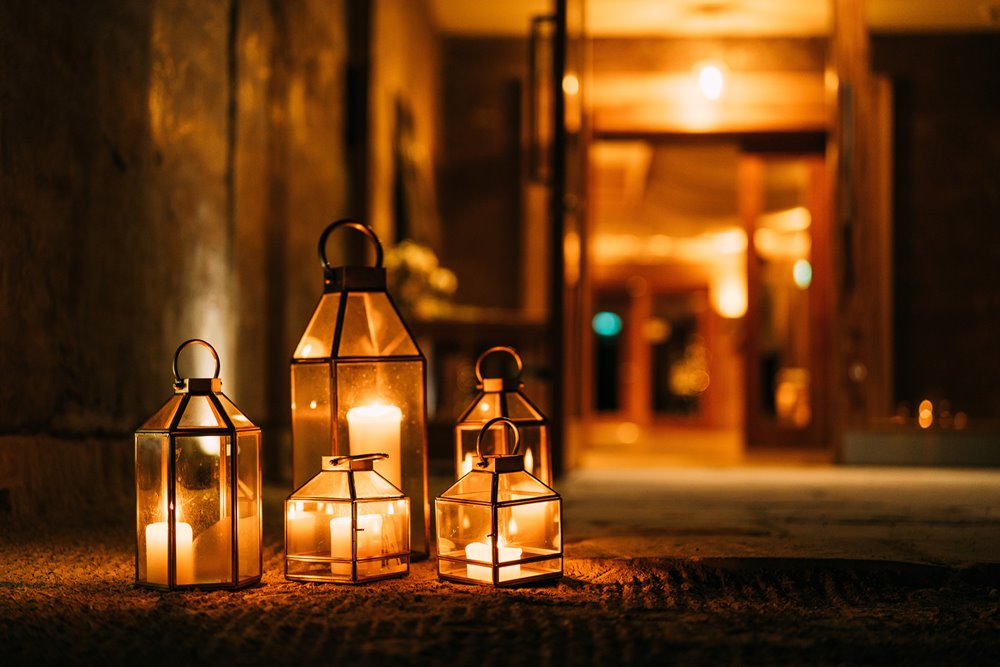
<point x="606" y="324"/>
<point x="802" y="273"/>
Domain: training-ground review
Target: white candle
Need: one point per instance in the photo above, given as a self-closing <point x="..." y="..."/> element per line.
<point x="376" y="428"/>
<point x="157" y="553"/>
<point x="369" y="540"/>
<point x="483" y="552"/>
<point x="301" y="527"/>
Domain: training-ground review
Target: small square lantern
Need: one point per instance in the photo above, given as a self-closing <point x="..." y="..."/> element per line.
<point x="198" y="501"/>
<point x="498" y="524"/>
<point x="502" y="397"/>
<point x="347" y="524"/>
<point x="358" y="384"/>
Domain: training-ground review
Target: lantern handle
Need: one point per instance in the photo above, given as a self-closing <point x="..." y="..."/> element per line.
<point x="375" y="456"/>
<point x="486" y="427"/>
<point x="195" y="341"/>
<point x="499" y="348"/>
<point x="353" y="224"/>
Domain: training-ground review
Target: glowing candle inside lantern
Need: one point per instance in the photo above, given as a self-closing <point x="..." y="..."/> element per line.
<point x="467" y="464"/>
<point x="369" y="534"/>
<point x="301" y="527"/>
<point x="157" y="553"/>
<point x="529" y="462"/>
<point x="483" y="552"/>
<point x="376" y="428"/>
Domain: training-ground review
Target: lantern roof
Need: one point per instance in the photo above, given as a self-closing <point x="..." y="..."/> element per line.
<point x="347" y="478"/>
<point x="197" y="403"/>
<point x="355" y="325"/>
<point x="516" y="486"/>
<point x="510" y="404"/>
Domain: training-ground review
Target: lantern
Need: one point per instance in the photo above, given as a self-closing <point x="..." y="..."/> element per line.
<point x="502" y="397"/>
<point x="347" y="524"/>
<point x="197" y="496"/>
<point x="358" y="383"/>
<point x="498" y="524"/>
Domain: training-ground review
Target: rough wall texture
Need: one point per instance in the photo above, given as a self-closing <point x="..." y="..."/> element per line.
<point x="152" y="156"/>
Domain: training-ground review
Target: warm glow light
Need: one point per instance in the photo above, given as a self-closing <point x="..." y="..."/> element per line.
<point x="571" y="84"/>
<point x="711" y="81"/>
<point x="925" y="414"/>
<point x="312" y="405"/>
<point x="730" y="295"/>
<point x="802" y="273"/>
<point x="731" y="241"/>
<point x="484" y="407"/>
<point x="627" y="432"/>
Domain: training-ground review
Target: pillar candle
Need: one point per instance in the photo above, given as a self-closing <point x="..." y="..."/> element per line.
<point x="301" y="530"/>
<point x="376" y="428"/>
<point x="483" y="552"/>
<point x="369" y="540"/>
<point x="157" y="553"/>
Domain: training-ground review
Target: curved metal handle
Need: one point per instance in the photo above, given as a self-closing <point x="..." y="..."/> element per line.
<point x="486" y="427"/>
<point x="500" y="348"/>
<point x="353" y="224"/>
<point x="195" y="341"/>
<point x="376" y="456"/>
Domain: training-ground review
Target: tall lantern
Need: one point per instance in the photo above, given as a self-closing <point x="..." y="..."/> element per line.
<point x="198" y="501"/>
<point x="347" y="524"/>
<point x="358" y="384"/>
<point x="499" y="525"/>
<point x="502" y="397"/>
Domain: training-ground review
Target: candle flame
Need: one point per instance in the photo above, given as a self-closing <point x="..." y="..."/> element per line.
<point x="484" y="406"/>
<point x="511" y="528"/>
<point x="391" y="510"/>
<point x="467" y="464"/>
<point x="529" y="462"/>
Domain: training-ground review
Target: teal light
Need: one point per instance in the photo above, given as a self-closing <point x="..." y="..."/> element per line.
<point x="802" y="273"/>
<point x="607" y="324"/>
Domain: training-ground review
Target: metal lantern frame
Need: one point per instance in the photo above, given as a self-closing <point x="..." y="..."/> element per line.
<point x="348" y="466"/>
<point x="495" y="467"/>
<point x="172" y="422"/>
<point x="502" y="397"/>
<point x="331" y="371"/>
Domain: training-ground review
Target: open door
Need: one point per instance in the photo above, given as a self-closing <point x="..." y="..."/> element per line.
<point x="784" y="205"/>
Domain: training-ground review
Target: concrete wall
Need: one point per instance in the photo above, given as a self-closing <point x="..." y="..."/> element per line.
<point x="165" y="170"/>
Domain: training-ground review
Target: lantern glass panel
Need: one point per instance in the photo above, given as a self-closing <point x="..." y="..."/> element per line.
<point x="369" y="484"/>
<point x="476" y="487"/>
<point x="534" y="527"/>
<point x="520" y="486"/>
<point x="311" y="418"/>
<point x="200" y="413"/>
<point x="203" y="503"/>
<point x="317" y="341"/>
<point x="459" y="525"/>
<point x="247" y="500"/>
<point x="375" y="386"/>
<point x="372" y="328"/>
<point x="164" y="416"/>
<point x="151" y="500"/>
<point x="236" y="416"/>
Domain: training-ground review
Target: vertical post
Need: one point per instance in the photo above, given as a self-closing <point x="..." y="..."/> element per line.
<point x="557" y="319"/>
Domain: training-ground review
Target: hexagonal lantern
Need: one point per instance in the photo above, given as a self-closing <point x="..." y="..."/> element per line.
<point x="498" y="524"/>
<point x="347" y="524"/>
<point x="358" y="383"/>
<point x="198" y="500"/>
<point x="502" y="397"/>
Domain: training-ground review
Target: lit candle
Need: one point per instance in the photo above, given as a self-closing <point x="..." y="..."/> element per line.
<point x="157" y="554"/>
<point x="467" y="464"/>
<point x="301" y="527"/>
<point x="528" y="523"/>
<point x="376" y="428"/>
<point x="529" y="462"/>
<point x="369" y="540"/>
<point x="483" y="552"/>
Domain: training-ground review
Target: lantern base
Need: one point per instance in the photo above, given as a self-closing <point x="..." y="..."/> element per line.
<point x="326" y="570"/>
<point x="524" y="572"/>
<point x="224" y="585"/>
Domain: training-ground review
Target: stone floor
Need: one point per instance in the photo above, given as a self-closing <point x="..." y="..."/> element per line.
<point x="809" y="565"/>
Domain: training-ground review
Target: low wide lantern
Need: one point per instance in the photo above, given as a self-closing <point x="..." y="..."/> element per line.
<point x="358" y="383"/>
<point x="198" y="501"/>
<point x="498" y="524"/>
<point x="347" y="524"/>
<point x="502" y="397"/>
